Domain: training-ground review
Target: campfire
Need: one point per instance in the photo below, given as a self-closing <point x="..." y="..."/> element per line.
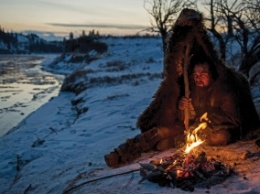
<point x="186" y="169"/>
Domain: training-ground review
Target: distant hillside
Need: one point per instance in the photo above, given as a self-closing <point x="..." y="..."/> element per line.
<point x="18" y="43"/>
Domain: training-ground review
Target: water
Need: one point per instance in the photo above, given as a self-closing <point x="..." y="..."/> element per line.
<point x="24" y="87"/>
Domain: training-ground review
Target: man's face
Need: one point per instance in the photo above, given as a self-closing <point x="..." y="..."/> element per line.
<point x="201" y="75"/>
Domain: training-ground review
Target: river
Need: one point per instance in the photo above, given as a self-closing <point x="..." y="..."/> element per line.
<point x="24" y="87"/>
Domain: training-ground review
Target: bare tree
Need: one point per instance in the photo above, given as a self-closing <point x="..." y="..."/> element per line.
<point x="164" y="13"/>
<point x="248" y="34"/>
<point x="240" y="21"/>
<point x="220" y="23"/>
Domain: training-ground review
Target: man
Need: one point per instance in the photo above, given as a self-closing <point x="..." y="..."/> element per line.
<point x="206" y="96"/>
<point x="209" y="95"/>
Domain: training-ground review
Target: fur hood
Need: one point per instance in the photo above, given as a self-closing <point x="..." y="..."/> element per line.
<point x="189" y="32"/>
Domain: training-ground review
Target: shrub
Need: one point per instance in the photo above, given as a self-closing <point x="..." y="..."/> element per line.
<point x="75" y="82"/>
<point x="116" y="65"/>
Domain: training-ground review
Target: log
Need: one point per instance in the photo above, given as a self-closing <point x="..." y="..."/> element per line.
<point x="225" y="153"/>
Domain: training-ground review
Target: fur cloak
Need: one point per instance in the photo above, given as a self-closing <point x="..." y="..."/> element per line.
<point x="189" y="30"/>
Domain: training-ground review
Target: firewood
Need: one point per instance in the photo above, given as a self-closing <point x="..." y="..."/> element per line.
<point x="192" y="170"/>
<point x="225" y="154"/>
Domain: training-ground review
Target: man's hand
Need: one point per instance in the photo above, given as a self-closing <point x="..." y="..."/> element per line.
<point x="185" y="103"/>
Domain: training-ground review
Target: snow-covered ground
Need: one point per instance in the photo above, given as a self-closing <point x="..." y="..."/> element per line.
<point x="62" y="145"/>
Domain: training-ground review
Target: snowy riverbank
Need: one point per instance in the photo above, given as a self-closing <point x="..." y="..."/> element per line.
<point x="24" y="87"/>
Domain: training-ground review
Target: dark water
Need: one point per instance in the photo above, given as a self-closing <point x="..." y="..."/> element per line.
<point x="24" y="87"/>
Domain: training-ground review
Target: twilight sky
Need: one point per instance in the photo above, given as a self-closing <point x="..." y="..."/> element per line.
<point x="59" y="17"/>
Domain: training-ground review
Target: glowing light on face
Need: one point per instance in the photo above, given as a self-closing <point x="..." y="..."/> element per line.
<point x="201" y="75"/>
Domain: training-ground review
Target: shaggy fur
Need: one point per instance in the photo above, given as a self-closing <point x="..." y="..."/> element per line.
<point x="189" y="29"/>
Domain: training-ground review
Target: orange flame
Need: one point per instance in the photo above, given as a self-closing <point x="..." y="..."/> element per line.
<point x="192" y="138"/>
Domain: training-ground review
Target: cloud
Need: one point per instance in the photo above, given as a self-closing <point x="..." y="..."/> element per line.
<point x="63" y="6"/>
<point x="117" y="26"/>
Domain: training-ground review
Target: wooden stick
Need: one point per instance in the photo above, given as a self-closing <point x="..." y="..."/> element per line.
<point x="97" y="179"/>
<point x="187" y="85"/>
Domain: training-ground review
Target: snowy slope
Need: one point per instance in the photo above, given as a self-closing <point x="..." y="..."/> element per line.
<point x="59" y="146"/>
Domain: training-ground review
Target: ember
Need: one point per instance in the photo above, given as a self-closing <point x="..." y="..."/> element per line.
<point x="185" y="172"/>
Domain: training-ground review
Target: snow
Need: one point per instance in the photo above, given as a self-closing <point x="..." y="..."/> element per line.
<point x="60" y="145"/>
